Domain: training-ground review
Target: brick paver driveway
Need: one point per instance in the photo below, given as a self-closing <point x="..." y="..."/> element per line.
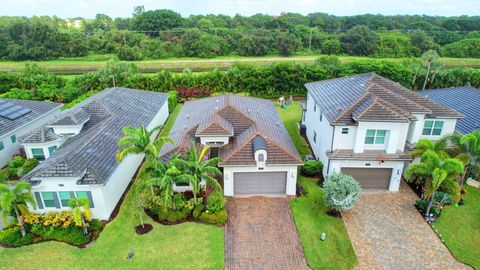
<point x="388" y="233"/>
<point x="261" y="234"/>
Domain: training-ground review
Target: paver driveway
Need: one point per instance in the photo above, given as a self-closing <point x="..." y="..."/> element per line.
<point x="388" y="233"/>
<point x="261" y="234"/>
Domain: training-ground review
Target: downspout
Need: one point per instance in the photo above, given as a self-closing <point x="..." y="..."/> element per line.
<point x="331" y="147"/>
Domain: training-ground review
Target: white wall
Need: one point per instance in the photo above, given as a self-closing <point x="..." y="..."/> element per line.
<point x="14" y="148"/>
<point x="395" y="140"/>
<point x="397" y="166"/>
<point x="344" y="141"/>
<point x="228" y="172"/>
<point x="448" y="128"/>
<point x="68" y="129"/>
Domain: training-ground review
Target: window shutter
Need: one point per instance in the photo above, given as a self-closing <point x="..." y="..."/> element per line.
<point x="90" y="199"/>
<point x="39" y="200"/>
<point x="56" y="200"/>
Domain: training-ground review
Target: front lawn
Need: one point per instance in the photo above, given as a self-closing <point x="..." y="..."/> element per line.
<point x="336" y="252"/>
<point x="460" y="228"/>
<point x="184" y="246"/>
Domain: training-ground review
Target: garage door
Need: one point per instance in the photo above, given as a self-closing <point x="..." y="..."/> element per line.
<point x="260" y="183"/>
<point x="370" y="178"/>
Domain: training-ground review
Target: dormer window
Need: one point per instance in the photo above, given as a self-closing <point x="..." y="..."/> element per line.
<point x="261" y="158"/>
<point x="260" y="151"/>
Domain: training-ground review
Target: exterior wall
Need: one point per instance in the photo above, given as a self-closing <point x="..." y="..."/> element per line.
<point x="397" y="166"/>
<point x="67" y="129"/>
<point x="448" y="128"/>
<point x="14" y="148"/>
<point x="44" y="146"/>
<point x="229" y="170"/>
<point x="344" y="141"/>
<point x="395" y="140"/>
<point x="214" y="139"/>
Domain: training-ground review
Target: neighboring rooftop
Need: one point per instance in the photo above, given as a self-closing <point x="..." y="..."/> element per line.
<point x="90" y="155"/>
<point x="15" y="113"/>
<point x="465" y="99"/>
<point x="253" y="122"/>
<point x="77" y="118"/>
<point x="370" y="97"/>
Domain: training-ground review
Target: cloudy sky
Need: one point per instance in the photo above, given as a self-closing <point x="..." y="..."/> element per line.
<point x="123" y="8"/>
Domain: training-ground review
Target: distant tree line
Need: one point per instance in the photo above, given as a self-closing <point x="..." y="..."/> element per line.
<point x="157" y="34"/>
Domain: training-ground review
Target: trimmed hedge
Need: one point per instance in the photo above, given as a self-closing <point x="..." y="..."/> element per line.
<point x="312" y="168"/>
<point x="214" y="218"/>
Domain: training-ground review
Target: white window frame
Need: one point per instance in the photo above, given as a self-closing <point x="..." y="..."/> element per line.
<point x="375" y="137"/>
<point x="432" y="128"/>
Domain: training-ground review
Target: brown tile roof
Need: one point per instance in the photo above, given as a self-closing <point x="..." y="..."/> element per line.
<point x="368" y="155"/>
<point x="370" y="97"/>
<point x="245" y="117"/>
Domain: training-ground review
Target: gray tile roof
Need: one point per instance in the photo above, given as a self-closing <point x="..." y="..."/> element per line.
<point x="370" y="97"/>
<point x="90" y="155"/>
<point x="40" y="135"/>
<point x="38" y="109"/>
<point x="77" y="118"/>
<point x="465" y="99"/>
<point x="249" y="117"/>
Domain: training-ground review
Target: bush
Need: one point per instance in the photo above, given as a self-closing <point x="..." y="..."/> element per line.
<point x="187" y="93"/>
<point x="341" y="191"/>
<point x="312" y="168"/>
<point x="172" y="100"/>
<point x="463" y="48"/>
<point x="27" y="166"/>
<point x="71" y="235"/>
<point x="453" y="188"/>
<point x="13" y="237"/>
<point x="197" y="211"/>
<point x="174" y="215"/>
<point x="421" y="205"/>
<point x="214" y="218"/>
<point x="215" y="202"/>
<point x="4" y="175"/>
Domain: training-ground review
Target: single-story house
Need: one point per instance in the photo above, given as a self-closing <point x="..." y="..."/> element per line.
<point x="77" y="150"/>
<point x="258" y="155"/>
<point x="18" y="117"/>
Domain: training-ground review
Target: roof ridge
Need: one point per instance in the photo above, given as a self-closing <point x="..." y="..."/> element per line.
<point x="281" y="148"/>
<point x="398" y="95"/>
<point x="351" y="107"/>
<point x="246" y="141"/>
<point x="375" y="99"/>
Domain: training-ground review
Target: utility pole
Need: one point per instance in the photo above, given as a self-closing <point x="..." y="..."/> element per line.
<point x="310" y="41"/>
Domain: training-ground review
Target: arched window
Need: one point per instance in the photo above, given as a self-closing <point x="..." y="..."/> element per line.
<point x="261" y="158"/>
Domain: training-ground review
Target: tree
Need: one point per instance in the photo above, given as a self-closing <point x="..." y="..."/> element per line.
<point x="197" y="168"/>
<point x="154" y="21"/>
<point x="359" y="40"/>
<point x="139" y="141"/>
<point x="422" y="42"/>
<point x="287" y="43"/>
<point x="424" y="145"/>
<point x="81" y="212"/>
<point x="430" y="60"/>
<point x="468" y="147"/>
<point x="15" y="200"/>
<point x="341" y="192"/>
<point x="168" y="176"/>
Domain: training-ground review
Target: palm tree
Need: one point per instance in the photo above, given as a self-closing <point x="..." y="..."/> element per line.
<point x="138" y="140"/>
<point x="196" y="169"/>
<point x="169" y="176"/>
<point x="432" y="169"/>
<point x="425" y="145"/>
<point x="81" y="212"/>
<point x="15" y="200"/>
<point x="430" y="59"/>
<point x="468" y="147"/>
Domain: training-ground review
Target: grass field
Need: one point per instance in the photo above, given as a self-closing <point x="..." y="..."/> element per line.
<point x="184" y="246"/>
<point x="82" y="65"/>
<point x="460" y="228"/>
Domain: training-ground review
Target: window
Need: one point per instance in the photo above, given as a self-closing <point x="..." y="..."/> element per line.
<point x="48" y="200"/>
<point x="1" y="146"/>
<point x="85" y="194"/>
<point x="314" y="107"/>
<point x="375" y="136"/>
<point x="344" y="130"/>
<point x="38" y="153"/>
<point x="13" y="138"/>
<point x="52" y="149"/>
<point x="315" y="137"/>
<point x="432" y="128"/>
<point x="261" y="158"/>
<point x="65" y="196"/>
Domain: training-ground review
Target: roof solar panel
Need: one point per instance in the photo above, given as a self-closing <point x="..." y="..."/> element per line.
<point x="12" y="111"/>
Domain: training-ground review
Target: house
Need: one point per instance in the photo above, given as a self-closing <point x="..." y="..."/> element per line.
<point x="464" y="99"/>
<point x="18" y="117"/>
<point x="258" y="156"/>
<point x="361" y="125"/>
<point x="77" y="150"/>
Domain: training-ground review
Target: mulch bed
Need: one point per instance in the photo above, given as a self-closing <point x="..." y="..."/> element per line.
<point x="147" y="227"/>
<point x="334" y="213"/>
<point x="167" y="223"/>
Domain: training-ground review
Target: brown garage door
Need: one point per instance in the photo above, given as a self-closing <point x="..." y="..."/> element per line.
<point x="260" y="183"/>
<point x="370" y="178"/>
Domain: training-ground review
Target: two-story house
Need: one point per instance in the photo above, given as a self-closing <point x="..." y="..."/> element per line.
<point x="363" y="125"/>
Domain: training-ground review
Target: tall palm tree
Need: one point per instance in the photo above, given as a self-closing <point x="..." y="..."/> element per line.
<point x="138" y="140"/>
<point x="196" y="169"/>
<point x="15" y="200"/>
<point x="169" y="176"/>
<point x="468" y="148"/>
<point x="81" y="212"/>
<point x="432" y="168"/>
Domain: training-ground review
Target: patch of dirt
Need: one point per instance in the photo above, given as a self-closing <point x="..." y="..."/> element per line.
<point x="334" y="213"/>
<point x="147" y="227"/>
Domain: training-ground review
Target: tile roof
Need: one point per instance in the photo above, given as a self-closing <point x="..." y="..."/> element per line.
<point x="90" y="155"/>
<point x="368" y="155"/>
<point x="465" y="99"/>
<point x="370" y="97"/>
<point x="77" y="118"/>
<point x="38" y="109"/>
<point x="248" y="117"/>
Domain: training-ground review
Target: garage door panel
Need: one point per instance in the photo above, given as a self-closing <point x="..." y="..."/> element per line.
<point x="370" y="178"/>
<point x="260" y="183"/>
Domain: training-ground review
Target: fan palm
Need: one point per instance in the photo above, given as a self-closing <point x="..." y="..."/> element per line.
<point x="15" y="199"/>
<point x="81" y="212"/>
<point x="138" y="140"/>
<point x="196" y="168"/>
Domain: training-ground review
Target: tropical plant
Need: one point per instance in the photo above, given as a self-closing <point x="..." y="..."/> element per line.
<point x="81" y="212"/>
<point x="197" y="168"/>
<point x="215" y="202"/>
<point x="167" y="175"/>
<point x="341" y="191"/>
<point x="468" y="148"/>
<point x="430" y="60"/>
<point x="14" y="199"/>
<point x="423" y="145"/>
<point x="139" y="140"/>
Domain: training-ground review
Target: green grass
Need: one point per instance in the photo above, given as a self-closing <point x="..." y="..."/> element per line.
<point x="336" y="252"/>
<point x="460" y="228"/>
<point x="184" y="246"/>
<point x="290" y="117"/>
<point x="95" y="62"/>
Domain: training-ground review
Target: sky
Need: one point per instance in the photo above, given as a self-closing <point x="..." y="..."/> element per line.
<point x="124" y="8"/>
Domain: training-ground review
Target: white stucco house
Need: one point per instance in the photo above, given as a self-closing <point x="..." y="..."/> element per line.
<point x="364" y="125"/>
<point x="19" y="117"/>
<point x="258" y="155"/>
<point x="77" y="150"/>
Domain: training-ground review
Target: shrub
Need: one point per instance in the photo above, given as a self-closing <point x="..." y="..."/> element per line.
<point x="4" y="175"/>
<point x="215" y="202"/>
<point x="453" y="188"/>
<point x="32" y="218"/>
<point x="27" y="166"/>
<point x="197" y="211"/>
<point x="174" y="215"/>
<point x="421" y="205"/>
<point x="341" y="191"/>
<point x="180" y="200"/>
<point x="58" y="219"/>
<point x="13" y="237"/>
<point x="312" y="168"/>
<point x="172" y="100"/>
<point x="214" y="218"/>
<point x="72" y="234"/>
<point x="187" y="93"/>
